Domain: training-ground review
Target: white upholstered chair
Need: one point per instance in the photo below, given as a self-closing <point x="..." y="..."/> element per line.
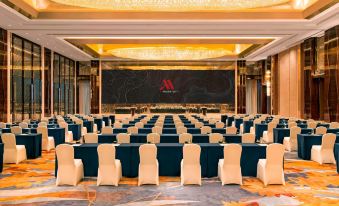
<point x="190" y="165"/>
<point x="16" y="130"/>
<point x="198" y="124"/>
<point x="312" y="124"/>
<point x="47" y="142"/>
<point x="107" y="130"/>
<point x="324" y="153"/>
<point x="231" y="130"/>
<point x="132" y="130"/>
<point x="291" y="143"/>
<point x="334" y="125"/>
<point x="91" y="138"/>
<point x="70" y="170"/>
<point x="68" y="134"/>
<point x="271" y="170"/>
<point x="12" y="153"/>
<point x="153" y="138"/>
<point x="216" y="138"/>
<point x="219" y="125"/>
<point x="205" y="130"/>
<point x="229" y="169"/>
<point x="157" y="129"/>
<point x="148" y="166"/>
<point x="109" y="171"/>
<point x="23" y="125"/>
<point x="42" y="124"/>
<point x="139" y="125"/>
<point x="185" y="138"/>
<point x="117" y="125"/>
<point x="268" y="135"/>
<point x="179" y="124"/>
<point x="321" y="130"/>
<point x="123" y="138"/>
<point x="248" y="138"/>
<point x="181" y="130"/>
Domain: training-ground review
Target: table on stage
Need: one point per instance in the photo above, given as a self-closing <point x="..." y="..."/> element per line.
<point x="32" y="142"/>
<point x="305" y="143"/>
<point x="169" y="156"/>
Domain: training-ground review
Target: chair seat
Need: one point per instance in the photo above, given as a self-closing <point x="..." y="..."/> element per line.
<point x="262" y="162"/>
<point x="50" y="138"/>
<point x="20" y="147"/>
<point x="77" y="162"/>
<point x="316" y="147"/>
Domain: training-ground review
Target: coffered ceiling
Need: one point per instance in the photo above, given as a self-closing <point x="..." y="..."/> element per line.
<point x="225" y="30"/>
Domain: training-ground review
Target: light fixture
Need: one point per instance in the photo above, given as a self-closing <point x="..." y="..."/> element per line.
<point x="169" y="53"/>
<point x="171" y="5"/>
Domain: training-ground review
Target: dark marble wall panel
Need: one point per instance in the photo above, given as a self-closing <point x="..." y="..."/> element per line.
<point x="241" y="87"/>
<point x="3" y="75"/>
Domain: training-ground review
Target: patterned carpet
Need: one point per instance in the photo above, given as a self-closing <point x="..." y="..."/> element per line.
<point x="33" y="183"/>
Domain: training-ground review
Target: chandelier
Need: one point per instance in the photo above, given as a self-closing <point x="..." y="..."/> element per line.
<point x="170" y="53"/>
<point x="171" y="5"/>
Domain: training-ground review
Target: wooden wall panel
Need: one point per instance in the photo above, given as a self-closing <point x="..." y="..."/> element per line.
<point x="3" y="75"/>
<point x="241" y="87"/>
<point x="331" y="80"/>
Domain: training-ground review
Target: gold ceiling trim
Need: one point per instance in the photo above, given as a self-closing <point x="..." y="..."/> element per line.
<point x="171" y="5"/>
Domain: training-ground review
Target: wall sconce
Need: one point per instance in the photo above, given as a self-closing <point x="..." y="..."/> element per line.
<point x="268" y="82"/>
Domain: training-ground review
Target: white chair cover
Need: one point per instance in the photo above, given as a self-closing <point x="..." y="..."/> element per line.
<point x="47" y="142"/>
<point x="16" y="130"/>
<point x="219" y="125"/>
<point x="248" y="138"/>
<point x="91" y="138"/>
<point x="231" y="130"/>
<point x="291" y="143"/>
<point x="149" y="166"/>
<point x="229" y="169"/>
<point x="206" y="130"/>
<point x="216" y="138"/>
<point x="324" y="153"/>
<point x="181" y="130"/>
<point x="132" y="130"/>
<point x="185" y="138"/>
<point x="157" y="129"/>
<point x="12" y="153"/>
<point x="70" y="170"/>
<point x="109" y="171"/>
<point x="190" y="165"/>
<point x="321" y="130"/>
<point x="153" y="138"/>
<point x="107" y="130"/>
<point x="123" y="138"/>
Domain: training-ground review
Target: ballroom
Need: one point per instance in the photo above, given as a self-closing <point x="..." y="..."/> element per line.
<point x="169" y="102"/>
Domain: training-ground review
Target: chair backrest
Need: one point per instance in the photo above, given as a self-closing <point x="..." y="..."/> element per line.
<point x="139" y="125"/>
<point x="312" y="124"/>
<point x="63" y="125"/>
<point x="275" y="154"/>
<point x="328" y="141"/>
<point x="334" y="125"/>
<point x="23" y="125"/>
<point x="232" y="155"/>
<point x="26" y="121"/>
<point x="270" y="126"/>
<point x="107" y="130"/>
<point x="181" y="130"/>
<point x="43" y="131"/>
<point x="144" y="121"/>
<point x="206" y="130"/>
<point x="148" y="154"/>
<point x="153" y="138"/>
<point x="198" y="124"/>
<point x="320" y="130"/>
<point x="294" y="131"/>
<point x="9" y="140"/>
<point x="179" y="124"/>
<point x="257" y="121"/>
<point x="212" y="121"/>
<point x="123" y="138"/>
<point x="219" y="125"/>
<point x="185" y="138"/>
<point x="191" y="154"/>
<point x="16" y="130"/>
<point x="216" y="138"/>
<point x="42" y="124"/>
<point x="65" y="154"/>
<point x="117" y="125"/>
<point x="2" y="125"/>
<point x="132" y="130"/>
<point x="91" y="138"/>
<point x="157" y="129"/>
<point x="125" y="121"/>
<point x="231" y="130"/>
<point x="292" y="124"/>
<point x="106" y="154"/>
<point x="248" y="138"/>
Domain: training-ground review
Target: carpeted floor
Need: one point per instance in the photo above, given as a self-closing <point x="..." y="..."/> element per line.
<point x="32" y="183"/>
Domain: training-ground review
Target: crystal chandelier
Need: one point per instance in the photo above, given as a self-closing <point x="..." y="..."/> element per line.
<point x="171" y="5"/>
<point x="170" y="53"/>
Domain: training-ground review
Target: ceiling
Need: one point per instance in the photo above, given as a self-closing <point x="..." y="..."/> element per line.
<point x="249" y="31"/>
